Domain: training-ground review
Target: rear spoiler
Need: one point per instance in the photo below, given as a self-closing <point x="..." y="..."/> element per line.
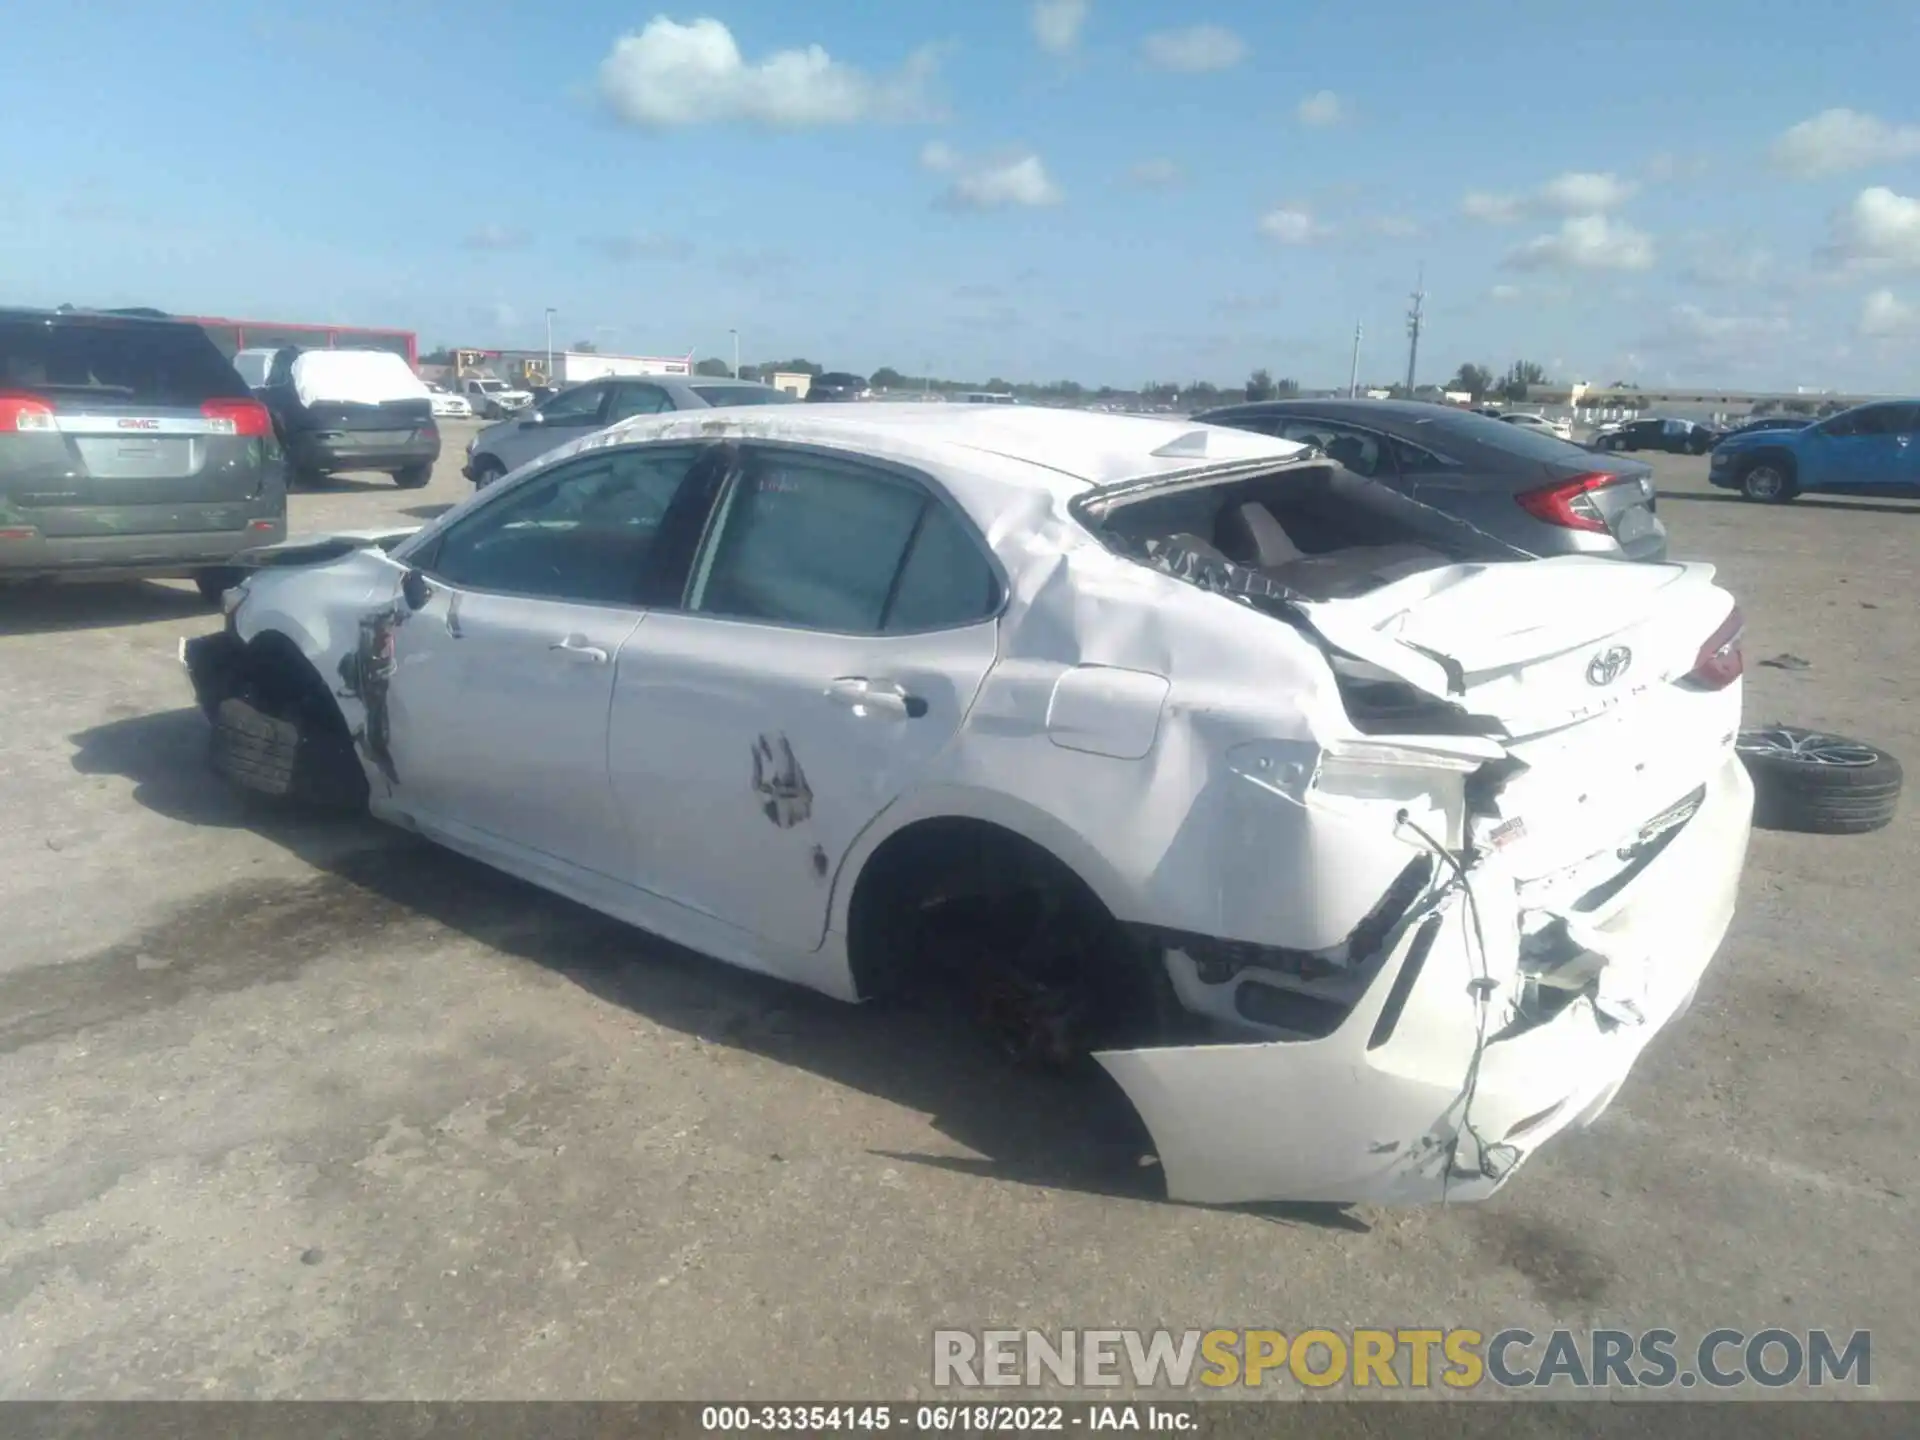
<point x="321" y="549"/>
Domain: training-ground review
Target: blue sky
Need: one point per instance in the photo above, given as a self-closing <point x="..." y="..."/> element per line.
<point x="1111" y="191"/>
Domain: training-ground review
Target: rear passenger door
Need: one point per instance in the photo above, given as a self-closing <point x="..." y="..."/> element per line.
<point x="840" y="619"/>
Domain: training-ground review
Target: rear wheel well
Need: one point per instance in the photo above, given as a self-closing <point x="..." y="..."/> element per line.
<point x="966" y="900"/>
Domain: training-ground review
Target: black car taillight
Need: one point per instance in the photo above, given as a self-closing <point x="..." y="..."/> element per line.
<point x="1569" y="503"/>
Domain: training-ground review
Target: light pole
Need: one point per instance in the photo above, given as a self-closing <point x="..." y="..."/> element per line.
<point x="1353" y="375"/>
<point x="550" y="345"/>
<point x="1415" y="319"/>
<point x="736" y="352"/>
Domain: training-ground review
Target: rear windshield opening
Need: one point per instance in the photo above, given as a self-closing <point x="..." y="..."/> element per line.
<point x="1313" y="530"/>
<point x="143" y="364"/>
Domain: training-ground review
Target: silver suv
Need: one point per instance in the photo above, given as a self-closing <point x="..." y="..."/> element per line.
<point x="129" y="447"/>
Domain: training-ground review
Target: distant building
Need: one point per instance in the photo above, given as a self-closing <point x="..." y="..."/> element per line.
<point x="575" y="367"/>
<point x="233" y="336"/>
<point x="795" y="382"/>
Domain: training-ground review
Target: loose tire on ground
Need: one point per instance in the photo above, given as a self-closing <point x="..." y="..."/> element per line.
<point x="1818" y="784"/>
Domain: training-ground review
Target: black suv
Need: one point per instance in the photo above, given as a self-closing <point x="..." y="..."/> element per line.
<point x="1677" y="437"/>
<point x="838" y="385"/>
<point x="129" y="447"/>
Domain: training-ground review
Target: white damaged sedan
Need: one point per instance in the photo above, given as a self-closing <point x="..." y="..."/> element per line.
<point x="1364" y="855"/>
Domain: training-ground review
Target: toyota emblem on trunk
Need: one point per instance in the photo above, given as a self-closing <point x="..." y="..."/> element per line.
<point x="1609" y="665"/>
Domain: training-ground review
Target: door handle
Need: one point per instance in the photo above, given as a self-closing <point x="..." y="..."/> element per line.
<point x="882" y="698"/>
<point x="576" y="648"/>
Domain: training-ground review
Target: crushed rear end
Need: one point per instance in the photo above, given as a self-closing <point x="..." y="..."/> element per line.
<point x="1535" y="772"/>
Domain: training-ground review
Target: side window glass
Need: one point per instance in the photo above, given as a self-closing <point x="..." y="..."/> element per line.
<point x="1842" y="427"/>
<point x="946" y="580"/>
<point x="631" y="400"/>
<point x="806" y="541"/>
<point x="583" y="533"/>
<point x="574" y="407"/>
<point x="1412" y="460"/>
<point x="1354" y="449"/>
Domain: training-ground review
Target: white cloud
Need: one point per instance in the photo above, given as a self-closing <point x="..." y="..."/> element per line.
<point x="1505" y="292"/>
<point x="1158" y="173"/>
<point x="1700" y="340"/>
<point x="1667" y="167"/>
<point x="1495" y="209"/>
<point x="1585" y="242"/>
<point x="938" y="155"/>
<point x="1584" y="192"/>
<point x="1292" y="225"/>
<point x="1195" y="50"/>
<point x="1576" y="192"/>
<point x="1879" y="230"/>
<point x="1056" y="23"/>
<point x="669" y="75"/>
<point x="1885" y="316"/>
<point x="1836" y="141"/>
<point x="1322" y="109"/>
<point x="495" y="236"/>
<point x="1013" y="181"/>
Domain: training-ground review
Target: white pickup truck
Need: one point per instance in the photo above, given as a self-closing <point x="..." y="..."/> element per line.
<point x="492" y="399"/>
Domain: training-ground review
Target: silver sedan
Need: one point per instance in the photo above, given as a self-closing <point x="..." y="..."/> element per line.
<point x="510" y="443"/>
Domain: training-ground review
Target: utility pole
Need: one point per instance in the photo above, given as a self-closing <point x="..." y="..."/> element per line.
<point x="1414" y="318"/>
<point x="549" y="345"/>
<point x="736" y="352"/>
<point x="1353" y="375"/>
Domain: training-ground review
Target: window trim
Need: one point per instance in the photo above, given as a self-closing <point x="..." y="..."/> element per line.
<point x="625" y="382"/>
<point x="932" y="493"/>
<point x="568" y="423"/>
<point x="422" y="551"/>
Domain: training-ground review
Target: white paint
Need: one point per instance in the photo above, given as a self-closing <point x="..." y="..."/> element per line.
<point x="1187" y="756"/>
<point x="365" y="377"/>
<point x="1104" y="710"/>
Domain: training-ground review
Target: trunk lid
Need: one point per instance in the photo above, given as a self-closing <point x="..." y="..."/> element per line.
<point x="116" y="467"/>
<point x="1575" y="665"/>
<point x="1532" y="645"/>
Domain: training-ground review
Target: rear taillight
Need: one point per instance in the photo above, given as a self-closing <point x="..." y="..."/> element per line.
<point x="1569" y="503"/>
<point x="238" y="417"/>
<point x="24" y="413"/>
<point x="1721" y="661"/>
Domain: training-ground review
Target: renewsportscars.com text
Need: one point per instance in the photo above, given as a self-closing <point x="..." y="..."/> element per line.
<point x="1414" y="1358"/>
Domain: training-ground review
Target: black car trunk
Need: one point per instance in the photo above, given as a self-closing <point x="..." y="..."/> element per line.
<point x="367" y="426"/>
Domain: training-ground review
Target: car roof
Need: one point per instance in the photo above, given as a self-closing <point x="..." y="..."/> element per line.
<point x="72" y="313"/>
<point x="1071" y="449"/>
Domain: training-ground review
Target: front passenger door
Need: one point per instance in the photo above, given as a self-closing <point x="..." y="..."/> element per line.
<point x="496" y="697"/>
<point x="1870" y="446"/>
